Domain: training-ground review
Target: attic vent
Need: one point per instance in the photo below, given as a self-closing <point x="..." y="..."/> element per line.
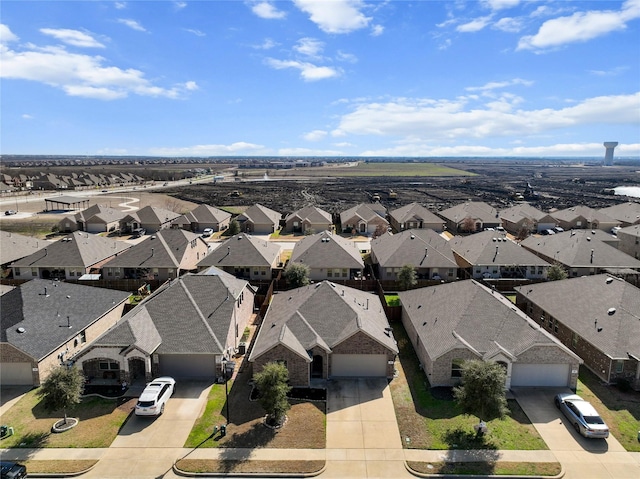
<point x="21" y="330"/>
<point x="588" y="238"/>
<point x="494" y="239"/>
<point x="611" y="311"/>
<point x="609" y="280"/>
<point x="413" y="236"/>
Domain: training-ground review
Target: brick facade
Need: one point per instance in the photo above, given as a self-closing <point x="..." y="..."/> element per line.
<point x="299" y="368"/>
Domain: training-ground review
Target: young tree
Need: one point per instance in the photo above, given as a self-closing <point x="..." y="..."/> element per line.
<point x="556" y="272"/>
<point x="297" y="274"/>
<point x="272" y="384"/>
<point x="234" y="228"/>
<point x="407" y="277"/>
<point x="481" y="393"/>
<point x="62" y="389"/>
<point x="468" y="224"/>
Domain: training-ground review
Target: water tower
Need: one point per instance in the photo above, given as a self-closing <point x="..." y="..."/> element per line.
<point x="608" y="154"/>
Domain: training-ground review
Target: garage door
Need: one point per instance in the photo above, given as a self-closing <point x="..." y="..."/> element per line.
<point x="359" y="365"/>
<point x="188" y="365"/>
<point x="546" y="375"/>
<point x="15" y="374"/>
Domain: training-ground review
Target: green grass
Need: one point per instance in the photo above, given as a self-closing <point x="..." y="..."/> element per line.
<point x="392" y="299"/>
<point x="212" y="416"/>
<point x="488" y="468"/>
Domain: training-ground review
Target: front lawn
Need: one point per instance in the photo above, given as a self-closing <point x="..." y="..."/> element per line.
<point x="430" y="419"/>
<point x="100" y="421"/>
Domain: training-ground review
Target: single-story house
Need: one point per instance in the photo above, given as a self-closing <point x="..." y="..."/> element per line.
<point x="14" y="246"/>
<point x="309" y="219"/>
<point x="584" y="217"/>
<point x="95" y="219"/>
<point x="523" y="219"/>
<point x="325" y="331"/>
<point x="626" y="214"/>
<point x="185" y="329"/>
<point x="629" y="240"/>
<point x="328" y="256"/>
<point x="428" y="252"/>
<point x="45" y="323"/>
<point x="414" y="216"/>
<point x="363" y="219"/>
<point x="454" y="322"/>
<point x="259" y="219"/>
<point x="594" y="316"/>
<point x="201" y="218"/>
<point x="150" y="218"/>
<point x="470" y="217"/>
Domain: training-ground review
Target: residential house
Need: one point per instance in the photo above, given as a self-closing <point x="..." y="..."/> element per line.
<point x="45" y="323"/>
<point x="491" y="255"/>
<point x="165" y="255"/>
<point x="328" y="256"/>
<point x="414" y="216"/>
<point x="150" y="218"/>
<point x="363" y="219"/>
<point x="428" y="252"/>
<point x="626" y="214"/>
<point x="325" y="331"/>
<point x="455" y="322"/>
<point x="470" y="217"/>
<point x="308" y="220"/>
<point x="185" y="329"/>
<point x="523" y="219"/>
<point x="583" y="217"/>
<point x="14" y="246"/>
<point x="201" y="218"/>
<point x="245" y="256"/>
<point x="70" y="257"/>
<point x="259" y="219"/>
<point x="95" y="219"/>
<point x="629" y="240"/>
<point x="594" y="316"/>
<point x="581" y="252"/>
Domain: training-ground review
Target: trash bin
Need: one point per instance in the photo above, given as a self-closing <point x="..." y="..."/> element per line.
<point x="242" y="348"/>
<point x="223" y="430"/>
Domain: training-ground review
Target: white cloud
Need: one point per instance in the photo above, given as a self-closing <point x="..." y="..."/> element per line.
<point x="120" y="5"/>
<point x="26" y="116"/>
<point x="308" y="152"/>
<point x="609" y="73"/>
<point x="238" y="148"/>
<point x="132" y="24"/>
<point x="268" y="11"/>
<point x="73" y="37"/>
<point x="309" y="47"/>
<point x="377" y="30"/>
<point x="346" y="57"/>
<point x="465" y="118"/>
<point x="267" y="44"/>
<point x="191" y="86"/>
<point x="508" y="24"/>
<point x="6" y="35"/>
<point x="308" y="71"/>
<point x="500" y="4"/>
<point x="196" y="32"/>
<point x="335" y="16"/>
<point x="81" y="75"/>
<point x="580" y="27"/>
<point x="180" y="5"/>
<point x="315" y="135"/>
<point x="474" y="25"/>
<point x="503" y="84"/>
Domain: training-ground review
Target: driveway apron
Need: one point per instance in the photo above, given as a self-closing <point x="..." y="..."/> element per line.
<point x="582" y="458"/>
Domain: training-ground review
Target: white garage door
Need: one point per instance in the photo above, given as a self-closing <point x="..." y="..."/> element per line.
<point x="546" y="375"/>
<point x="188" y="365"/>
<point x="359" y="365"/>
<point x="15" y="374"/>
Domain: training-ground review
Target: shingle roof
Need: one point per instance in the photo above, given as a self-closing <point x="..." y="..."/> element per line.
<point x="78" y="249"/>
<point x="41" y="307"/>
<point x="466" y="314"/>
<point x="362" y="211"/>
<point x="414" y="211"/>
<point x="576" y="248"/>
<point x="322" y="314"/>
<point x="471" y="209"/>
<point x="628" y="213"/>
<point x="312" y="214"/>
<point x="152" y="215"/>
<point x="14" y="246"/>
<point x="590" y="214"/>
<point x="207" y="214"/>
<point x="523" y="210"/>
<point x="103" y="213"/>
<point x="326" y="250"/>
<point x="242" y="250"/>
<point x="584" y="304"/>
<point x="260" y="215"/>
<point x="493" y="248"/>
<point x="421" y="248"/>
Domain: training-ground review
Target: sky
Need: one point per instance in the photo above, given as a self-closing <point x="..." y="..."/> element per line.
<point x="421" y="78"/>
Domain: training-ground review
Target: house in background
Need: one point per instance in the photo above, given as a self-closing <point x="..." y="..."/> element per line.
<point x="309" y="219"/>
<point x="246" y="257"/>
<point x="470" y="217"/>
<point x="325" y="331"/>
<point x="583" y="217"/>
<point x="629" y="240"/>
<point x="454" y="322"/>
<point x="46" y="323"/>
<point x="14" y="246"/>
<point x="594" y="316"/>
<point x="428" y="252"/>
<point x="626" y="214"/>
<point x="70" y="257"/>
<point x="363" y="219"/>
<point x="259" y="219"/>
<point x="491" y="255"/>
<point x="202" y="217"/>
<point x="414" y="216"/>
<point x="183" y="330"/>
<point x="95" y="219"/>
<point x="165" y="255"/>
<point x="150" y="218"/>
<point x="328" y="256"/>
<point x="524" y="218"/>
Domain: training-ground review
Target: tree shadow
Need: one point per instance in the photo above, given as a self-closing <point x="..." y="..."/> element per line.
<point x="463" y="439"/>
<point x="33" y="440"/>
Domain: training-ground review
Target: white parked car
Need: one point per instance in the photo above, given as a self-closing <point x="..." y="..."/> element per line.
<point x="154" y="397"/>
<point x="207" y="232"/>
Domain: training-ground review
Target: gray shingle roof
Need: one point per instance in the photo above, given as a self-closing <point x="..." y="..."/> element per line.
<point x="323" y="314"/>
<point x="207" y="214"/>
<point x="414" y="211"/>
<point x="362" y="211"/>
<point x="260" y="215"/>
<point x="312" y="214"/>
<point x="14" y="246"/>
<point x="101" y="212"/>
<point x="243" y="250"/>
<point x="493" y="248"/>
<point x="583" y="304"/>
<point x="471" y="209"/>
<point x="151" y="215"/>
<point x="466" y="314"/>
<point x="521" y="211"/>
<point x="326" y="250"/>
<point x="421" y="248"/>
<point x="78" y="249"/>
<point x="628" y="213"/>
<point x="44" y="315"/>
<point x="590" y="214"/>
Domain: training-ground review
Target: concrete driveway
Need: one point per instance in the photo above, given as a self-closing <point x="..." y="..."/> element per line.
<point x="582" y="458"/>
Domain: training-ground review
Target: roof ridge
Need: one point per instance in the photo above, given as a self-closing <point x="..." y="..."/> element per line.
<point x="200" y="315"/>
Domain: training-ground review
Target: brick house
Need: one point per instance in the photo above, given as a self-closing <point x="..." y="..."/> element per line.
<point x="470" y="217"/>
<point x="326" y="330"/>
<point x="584" y="217"/>
<point x="95" y="219"/>
<point x="363" y="219"/>
<point x="309" y="219"/>
<point x="414" y="216"/>
<point x="259" y="219"/>
<point x="202" y="217"/>
<point x="626" y="214"/>
<point x="328" y="256"/>
<point x="524" y="217"/>
<point x="150" y="218"/>
<point x="594" y="316"/>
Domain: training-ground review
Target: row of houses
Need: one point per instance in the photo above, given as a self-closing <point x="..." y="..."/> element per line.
<point x="74" y="181"/>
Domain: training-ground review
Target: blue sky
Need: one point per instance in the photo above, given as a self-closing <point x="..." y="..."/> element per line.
<point x="320" y="77"/>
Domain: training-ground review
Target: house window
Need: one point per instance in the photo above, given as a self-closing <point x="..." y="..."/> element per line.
<point x="105" y="366"/>
<point x="329" y="273"/>
<point x="34" y="271"/>
<point x="72" y="273"/>
<point x="344" y="273"/>
<point x="109" y="272"/>
<point x="478" y="271"/>
<point x="456" y="368"/>
<point x="83" y="337"/>
<point x="543" y="319"/>
<point x="619" y="366"/>
<point x="17" y="272"/>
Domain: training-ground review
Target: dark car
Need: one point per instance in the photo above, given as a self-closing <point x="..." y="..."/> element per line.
<point x="10" y="212"/>
<point x="12" y="470"/>
<point x="138" y="233"/>
<point x="582" y="415"/>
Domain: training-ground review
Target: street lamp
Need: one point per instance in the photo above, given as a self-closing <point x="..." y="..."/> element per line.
<point x="226" y="387"/>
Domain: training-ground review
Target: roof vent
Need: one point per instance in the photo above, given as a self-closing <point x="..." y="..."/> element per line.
<point x="588" y="238"/>
<point x="494" y="239"/>
<point x="21" y="330"/>
<point x="413" y="236"/>
<point x="609" y="280"/>
<point x="611" y="311"/>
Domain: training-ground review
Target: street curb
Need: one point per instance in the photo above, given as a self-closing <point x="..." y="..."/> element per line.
<point x="180" y="472"/>
<point x="474" y="476"/>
